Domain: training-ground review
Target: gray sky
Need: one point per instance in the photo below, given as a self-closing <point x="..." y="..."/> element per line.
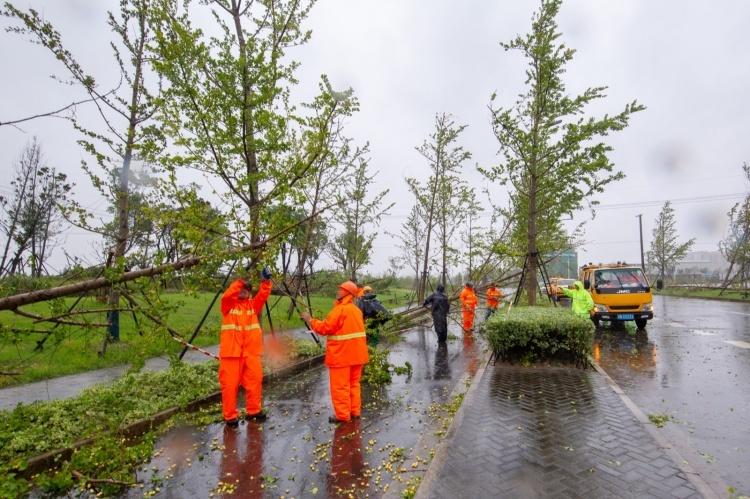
<point x="406" y="60"/>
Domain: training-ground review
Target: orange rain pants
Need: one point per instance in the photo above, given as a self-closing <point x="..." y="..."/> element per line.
<point x="346" y="394"/>
<point x="468" y="316"/>
<point x="240" y="371"/>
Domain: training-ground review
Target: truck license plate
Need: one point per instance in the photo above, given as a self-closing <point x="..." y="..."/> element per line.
<point x="625" y="317"/>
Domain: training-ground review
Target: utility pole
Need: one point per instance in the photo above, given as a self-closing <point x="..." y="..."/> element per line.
<point x="640" y="230"/>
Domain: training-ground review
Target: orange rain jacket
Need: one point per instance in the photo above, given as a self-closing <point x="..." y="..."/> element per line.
<point x="241" y="335"/>
<point x="468" y="299"/>
<point x="344" y="328"/>
<point x="493" y="297"/>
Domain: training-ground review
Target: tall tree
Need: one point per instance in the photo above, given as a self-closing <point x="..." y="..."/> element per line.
<point x="736" y="245"/>
<point x="665" y="251"/>
<point x="358" y="210"/>
<point x="123" y="113"/>
<point x="443" y="196"/>
<point x="411" y="239"/>
<point x="553" y="156"/>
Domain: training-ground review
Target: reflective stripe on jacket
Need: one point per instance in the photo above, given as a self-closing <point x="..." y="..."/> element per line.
<point x="493" y="297"/>
<point x="468" y="299"/>
<point x="344" y="329"/>
<point x="241" y="335"/>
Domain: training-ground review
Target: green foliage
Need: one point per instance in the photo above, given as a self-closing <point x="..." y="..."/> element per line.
<point x="659" y="420"/>
<point x="30" y="430"/>
<point x="553" y="156"/>
<point x="532" y="334"/>
<point x="307" y="348"/>
<point x="378" y="371"/>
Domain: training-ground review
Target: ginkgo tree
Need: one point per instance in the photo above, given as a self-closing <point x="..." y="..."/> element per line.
<point x="553" y="156"/>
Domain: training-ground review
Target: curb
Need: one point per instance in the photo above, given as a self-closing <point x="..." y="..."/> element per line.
<point x="51" y="459"/>
<point x="425" y="442"/>
<point x="693" y="476"/>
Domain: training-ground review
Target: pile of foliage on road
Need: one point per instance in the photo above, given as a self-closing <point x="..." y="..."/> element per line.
<point x="30" y="430"/>
<point x="531" y="334"/>
<point x="379" y="370"/>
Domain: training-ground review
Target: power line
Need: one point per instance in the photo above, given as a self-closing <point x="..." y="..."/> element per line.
<point x="694" y="199"/>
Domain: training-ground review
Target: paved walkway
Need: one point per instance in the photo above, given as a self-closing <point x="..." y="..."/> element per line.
<point x="64" y="387"/>
<point x="551" y="432"/>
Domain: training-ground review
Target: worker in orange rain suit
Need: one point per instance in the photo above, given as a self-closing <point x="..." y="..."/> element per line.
<point x="468" y="305"/>
<point x="494" y="296"/>
<point x="241" y="347"/>
<point x="346" y="351"/>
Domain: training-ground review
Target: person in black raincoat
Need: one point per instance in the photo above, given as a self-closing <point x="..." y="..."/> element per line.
<point x="372" y="310"/>
<point x="439" y="305"/>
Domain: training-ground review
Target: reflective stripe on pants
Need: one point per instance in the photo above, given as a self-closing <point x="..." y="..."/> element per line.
<point x="240" y="371"/>
<point x="345" y="391"/>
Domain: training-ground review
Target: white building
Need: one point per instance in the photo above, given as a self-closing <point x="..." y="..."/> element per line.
<point x="708" y="265"/>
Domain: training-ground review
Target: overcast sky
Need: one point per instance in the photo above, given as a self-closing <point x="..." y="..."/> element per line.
<point x="407" y="60"/>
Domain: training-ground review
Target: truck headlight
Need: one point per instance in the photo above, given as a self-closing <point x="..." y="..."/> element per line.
<point x="600" y="308"/>
<point x="648" y="307"/>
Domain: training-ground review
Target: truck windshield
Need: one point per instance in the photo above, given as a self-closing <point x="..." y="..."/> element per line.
<point x="625" y="278"/>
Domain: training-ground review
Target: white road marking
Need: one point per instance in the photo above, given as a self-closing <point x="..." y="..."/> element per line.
<point x="737" y="313"/>
<point x="741" y="344"/>
<point x="701" y="332"/>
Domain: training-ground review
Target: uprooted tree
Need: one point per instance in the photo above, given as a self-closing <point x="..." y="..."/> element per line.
<point x="553" y="157"/>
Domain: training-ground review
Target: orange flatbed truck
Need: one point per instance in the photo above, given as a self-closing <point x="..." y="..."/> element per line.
<point x="621" y="292"/>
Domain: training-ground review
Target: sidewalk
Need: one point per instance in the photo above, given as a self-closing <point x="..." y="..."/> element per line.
<point x="64" y="387"/>
<point x="551" y="432"/>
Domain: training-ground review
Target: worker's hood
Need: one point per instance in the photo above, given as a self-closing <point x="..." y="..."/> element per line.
<point x="578" y="285"/>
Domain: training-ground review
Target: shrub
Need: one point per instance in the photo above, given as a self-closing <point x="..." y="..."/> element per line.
<point x="530" y="334"/>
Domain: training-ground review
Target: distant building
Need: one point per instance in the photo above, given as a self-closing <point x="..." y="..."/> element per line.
<point x="564" y="265"/>
<point x="702" y="265"/>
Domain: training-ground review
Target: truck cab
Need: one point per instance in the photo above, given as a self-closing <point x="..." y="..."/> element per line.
<point x="621" y="292"/>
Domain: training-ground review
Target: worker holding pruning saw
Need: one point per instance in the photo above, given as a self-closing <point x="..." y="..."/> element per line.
<point x="241" y="347"/>
<point x="346" y="351"/>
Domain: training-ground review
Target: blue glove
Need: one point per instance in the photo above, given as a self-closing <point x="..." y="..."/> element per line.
<point x="266" y="273"/>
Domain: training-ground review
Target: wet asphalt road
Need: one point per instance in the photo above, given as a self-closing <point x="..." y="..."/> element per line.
<point x="297" y="453"/>
<point x="693" y="364"/>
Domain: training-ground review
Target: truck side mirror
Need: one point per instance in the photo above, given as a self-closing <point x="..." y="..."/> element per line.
<point x="659" y="284"/>
<point x="586" y="284"/>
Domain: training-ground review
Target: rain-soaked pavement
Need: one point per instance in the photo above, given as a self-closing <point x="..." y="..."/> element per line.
<point x="693" y="364"/>
<point x="297" y="453"/>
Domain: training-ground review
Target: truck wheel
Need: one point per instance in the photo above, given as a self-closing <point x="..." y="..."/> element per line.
<point x="641" y="323"/>
<point x="595" y="320"/>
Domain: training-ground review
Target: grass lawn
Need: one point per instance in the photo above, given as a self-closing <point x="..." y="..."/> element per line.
<point x="75" y="349"/>
<point x="705" y="293"/>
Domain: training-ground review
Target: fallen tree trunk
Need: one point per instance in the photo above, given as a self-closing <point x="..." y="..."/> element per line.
<point x="15" y="301"/>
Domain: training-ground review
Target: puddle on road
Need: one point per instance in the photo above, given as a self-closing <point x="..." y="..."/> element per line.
<point x="297" y="453"/>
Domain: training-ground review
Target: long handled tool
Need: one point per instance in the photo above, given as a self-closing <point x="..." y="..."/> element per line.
<point x="294" y="304"/>
<point x="193" y="347"/>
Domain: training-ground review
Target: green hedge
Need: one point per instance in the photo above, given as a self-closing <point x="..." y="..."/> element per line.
<point x="532" y="334"/>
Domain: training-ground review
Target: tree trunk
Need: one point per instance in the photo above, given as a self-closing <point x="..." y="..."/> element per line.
<point x="531" y="281"/>
<point x="123" y="190"/>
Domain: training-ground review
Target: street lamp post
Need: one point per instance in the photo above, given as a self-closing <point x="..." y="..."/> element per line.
<point x="640" y="231"/>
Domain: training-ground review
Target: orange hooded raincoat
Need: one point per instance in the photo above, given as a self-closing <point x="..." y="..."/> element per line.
<point x="468" y="305"/>
<point x="241" y="348"/>
<point x="346" y="355"/>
